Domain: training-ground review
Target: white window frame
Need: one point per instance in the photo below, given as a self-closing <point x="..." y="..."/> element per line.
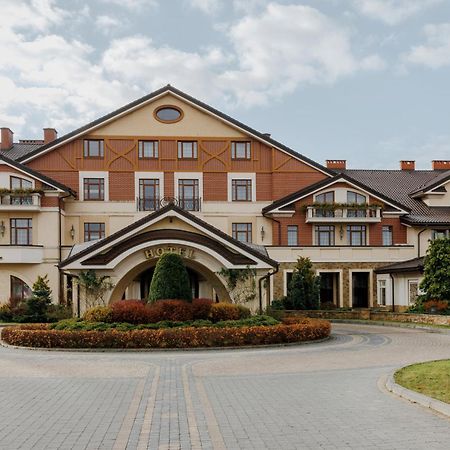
<point x="241" y="176"/>
<point x="93" y="174"/>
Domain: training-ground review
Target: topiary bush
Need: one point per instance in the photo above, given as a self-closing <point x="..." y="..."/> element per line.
<point x="174" y="310"/>
<point x="304" y="287"/>
<point x="170" y="279"/>
<point x="224" y="311"/>
<point x="98" y="314"/>
<point x="201" y="307"/>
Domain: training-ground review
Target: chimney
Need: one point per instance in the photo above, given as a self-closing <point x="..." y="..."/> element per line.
<point x="7" y="139"/>
<point x="336" y="164"/>
<point x="50" y="134"/>
<point x="440" y="164"/>
<point x="407" y="165"/>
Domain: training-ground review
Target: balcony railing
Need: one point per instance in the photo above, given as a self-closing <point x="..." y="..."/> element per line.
<point x="343" y="214"/>
<point x="12" y="201"/>
<point x="154" y="204"/>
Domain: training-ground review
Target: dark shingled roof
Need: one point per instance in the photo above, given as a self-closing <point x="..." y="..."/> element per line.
<point x="412" y="265"/>
<point x="399" y="185"/>
<point x="20" y="150"/>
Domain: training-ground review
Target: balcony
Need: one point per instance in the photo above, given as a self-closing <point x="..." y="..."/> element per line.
<point x="11" y="201"/>
<point x="26" y="254"/>
<point x="343" y="214"/>
<point x="154" y="204"/>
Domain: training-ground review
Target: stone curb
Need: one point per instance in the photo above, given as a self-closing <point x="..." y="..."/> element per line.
<point x="416" y="397"/>
<point x="414" y="326"/>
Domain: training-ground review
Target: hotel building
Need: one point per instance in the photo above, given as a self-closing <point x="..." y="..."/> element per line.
<point x="170" y="173"/>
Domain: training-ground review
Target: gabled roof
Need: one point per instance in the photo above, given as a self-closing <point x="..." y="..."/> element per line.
<point x="411" y="265"/>
<point x="432" y="184"/>
<point x="154" y="95"/>
<point x="292" y="198"/>
<point x="92" y="251"/>
<point x="37" y="175"/>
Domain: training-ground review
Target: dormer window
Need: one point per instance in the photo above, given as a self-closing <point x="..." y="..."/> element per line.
<point x="93" y="148"/>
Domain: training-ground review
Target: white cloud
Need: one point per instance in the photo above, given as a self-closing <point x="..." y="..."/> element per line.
<point x="393" y="12"/>
<point x="285" y="46"/>
<point x="133" y="5"/>
<point x="108" y="23"/>
<point x="209" y="7"/>
<point x="435" y="53"/>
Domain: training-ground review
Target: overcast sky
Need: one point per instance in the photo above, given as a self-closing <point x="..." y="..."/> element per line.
<point x="362" y="80"/>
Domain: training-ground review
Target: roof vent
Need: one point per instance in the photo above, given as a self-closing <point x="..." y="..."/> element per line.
<point x="336" y="164"/>
<point x="7" y="139"/>
<point x="267" y="135"/>
<point x="407" y="165"/>
<point x="440" y="164"/>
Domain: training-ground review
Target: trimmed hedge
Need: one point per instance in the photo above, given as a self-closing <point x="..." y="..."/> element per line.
<point x="41" y="336"/>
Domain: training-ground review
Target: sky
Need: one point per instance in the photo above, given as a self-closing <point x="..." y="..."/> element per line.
<point x="363" y="80"/>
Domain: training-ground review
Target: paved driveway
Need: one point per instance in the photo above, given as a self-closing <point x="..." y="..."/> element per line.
<point x="324" y="395"/>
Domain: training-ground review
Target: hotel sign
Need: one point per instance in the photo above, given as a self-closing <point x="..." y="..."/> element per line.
<point x="158" y="251"/>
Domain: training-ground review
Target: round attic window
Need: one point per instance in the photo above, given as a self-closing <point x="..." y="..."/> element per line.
<point x="168" y="114"/>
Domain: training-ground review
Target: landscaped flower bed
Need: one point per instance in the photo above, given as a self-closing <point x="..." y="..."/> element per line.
<point x="218" y="335"/>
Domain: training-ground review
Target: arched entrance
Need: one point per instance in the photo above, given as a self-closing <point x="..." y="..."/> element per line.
<point x="136" y="282"/>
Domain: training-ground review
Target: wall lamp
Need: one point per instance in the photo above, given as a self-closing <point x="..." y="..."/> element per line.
<point x="263" y="233"/>
<point x="341" y="232"/>
<point x="2" y="228"/>
<point x="72" y="232"/>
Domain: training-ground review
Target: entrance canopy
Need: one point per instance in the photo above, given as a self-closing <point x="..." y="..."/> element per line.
<point x="170" y="229"/>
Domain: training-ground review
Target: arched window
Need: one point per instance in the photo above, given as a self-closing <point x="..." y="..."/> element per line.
<point x="325" y="198"/>
<point x="353" y="198"/>
<point x="19" y="289"/>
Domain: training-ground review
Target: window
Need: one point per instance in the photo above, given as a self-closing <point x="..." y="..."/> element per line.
<point x="382" y="292"/>
<point x="327" y="198"/>
<point x="20" y="183"/>
<point x="188" y="195"/>
<point x="356" y="235"/>
<point x="325" y="235"/>
<point x="440" y="234"/>
<point x="387" y="235"/>
<point x="168" y="114"/>
<point x="187" y="149"/>
<point x="21" y="232"/>
<point x="93" y="148"/>
<point x="242" y="232"/>
<point x="353" y="198"/>
<point x="148" y="149"/>
<point x="20" y="199"/>
<point x="241" y="190"/>
<point x="240" y="150"/>
<point x="288" y="279"/>
<point x="94" y="231"/>
<point x="148" y="194"/>
<point x="94" y="189"/>
<point x="292" y="235"/>
<point x="19" y="289"/>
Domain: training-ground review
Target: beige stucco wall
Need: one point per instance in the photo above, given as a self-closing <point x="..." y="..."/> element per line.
<point x="142" y="123"/>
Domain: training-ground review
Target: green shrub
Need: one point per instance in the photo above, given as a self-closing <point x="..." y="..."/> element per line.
<point x="6" y="313"/>
<point x="43" y="336"/>
<point x="170" y="279"/>
<point x="224" y="311"/>
<point x="250" y="322"/>
<point x="58" y="312"/>
<point x="436" y="306"/>
<point x="98" y="314"/>
<point x="304" y="288"/>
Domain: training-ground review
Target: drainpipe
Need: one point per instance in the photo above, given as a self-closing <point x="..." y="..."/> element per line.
<point x="393" y="291"/>
<point x="60" y="273"/>
<point x="418" y="241"/>
<point x="279" y="226"/>
<point x="265" y="277"/>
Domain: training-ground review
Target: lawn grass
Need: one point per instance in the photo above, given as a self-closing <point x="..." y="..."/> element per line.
<point x="430" y="378"/>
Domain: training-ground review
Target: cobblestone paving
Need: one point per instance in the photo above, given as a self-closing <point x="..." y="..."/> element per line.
<point x="326" y="395"/>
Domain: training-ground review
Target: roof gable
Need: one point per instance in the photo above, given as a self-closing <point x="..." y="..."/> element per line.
<point x="239" y="126"/>
<point x="282" y="205"/>
<point x="139" y="233"/>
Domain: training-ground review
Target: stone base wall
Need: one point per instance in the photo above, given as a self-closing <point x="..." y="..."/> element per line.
<point x="380" y="316"/>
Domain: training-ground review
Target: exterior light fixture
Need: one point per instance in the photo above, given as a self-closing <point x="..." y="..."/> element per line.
<point x="341" y="232"/>
<point x="72" y="232"/>
<point x="263" y="233"/>
<point x="2" y="228"/>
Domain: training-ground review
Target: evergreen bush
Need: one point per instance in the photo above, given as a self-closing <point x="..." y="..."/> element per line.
<point x="304" y="288"/>
<point x="170" y="279"/>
